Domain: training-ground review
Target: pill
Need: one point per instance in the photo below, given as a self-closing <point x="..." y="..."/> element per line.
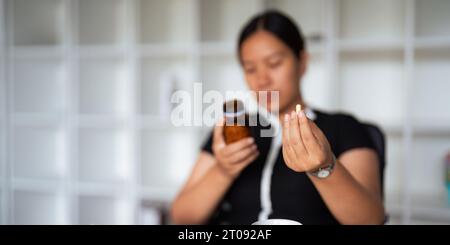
<point x="298" y="108"/>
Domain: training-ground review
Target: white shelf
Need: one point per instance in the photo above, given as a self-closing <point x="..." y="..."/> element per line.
<point x="167" y="156"/>
<point x="3" y="158"/>
<point x="393" y="172"/>
<point x="39" y="153"/>
<point x="33" y="120"/>
<point x="371" y="44"/>
<point x="221" y="20"/>
<point x="315" y="83"/>
<point x="154" y="122"/>
<point x="372" y="19"/>
<point x="104" y="210"/>
<point x="392" y="130"/>
<point x="160" y="77"/>
<point x="164" y="50"/>
<point x="101" y="52"/>
<point x="222" y="74"/>
<point x="434" y="209"/>
<point x="161" y="194"/>
<point x="105" y="155"/>
<point x="427" y="172"/>
<point x="101" y="22"/>
<point x="432" y="43"/>
<point x="425" y="210"/>
<point x="100" y="189"/>
<point x="96" y="121"/>
<point x="431" y="86"/>
<point x="2" y="207"/>
<point x="430" y="16"/>
<point x="34" y="208"/>
<point x="39" y="86"/>
<point x="29" y="184"/>
<point x="223" y="48"/>
<point x="37" y="52"/>
<point x="309" y="15"/>
<point x="375" y="81"/>
<point x="104" y="87"/>
<point x="166" y="21"/>
<point x="37" y="22"/>
<point x="441" y="129"/>
<point x="3" y="128"/>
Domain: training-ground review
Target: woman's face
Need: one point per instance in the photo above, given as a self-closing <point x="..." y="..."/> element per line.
<point x="270" y="65"/>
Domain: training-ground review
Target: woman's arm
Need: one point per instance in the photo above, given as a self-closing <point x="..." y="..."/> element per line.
<point x="352" y="191"/>
<point x="204" y="189"/>
<point x="211" y="177"/>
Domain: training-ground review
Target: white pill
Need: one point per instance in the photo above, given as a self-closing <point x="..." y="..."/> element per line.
<point x="298" y="108"/>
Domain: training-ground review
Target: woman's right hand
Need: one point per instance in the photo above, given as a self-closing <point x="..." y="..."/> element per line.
<point x="233" y="158"/>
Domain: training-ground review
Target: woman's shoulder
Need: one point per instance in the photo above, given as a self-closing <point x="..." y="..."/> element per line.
<point x="337" y="118"/>
<point x="348" y="132"/>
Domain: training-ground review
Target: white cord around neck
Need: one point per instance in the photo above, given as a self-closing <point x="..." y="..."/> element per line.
<point x="266" y="178"/>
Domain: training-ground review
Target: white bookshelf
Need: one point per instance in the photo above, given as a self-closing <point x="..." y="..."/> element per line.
<point x="159" y="77"/>
<point x="221" y="72"/>
<point x="45" y="153"/>
<point x="85" y="88"/>
<point x="103" y="86"/>
<point x="104" y="210"/>
<point x="221" y="21"/>
<point x="101" y="22"/>
<point x="38" y="86"/>
<point x="435" y="63"/>
<point x="310" y="13"/>
<point x="406" y="45"/>
<point x="385" y="18"/>
<point x="173" y="153"/>
<point x="373" y="80"/>
<point x="104" y="155"/>
<point x="37" y="23"/>
<point x="168" y="23"/>
<point x="36" y="207"/>
<point x="3" y="130"/>
<point x="429" y="18"/>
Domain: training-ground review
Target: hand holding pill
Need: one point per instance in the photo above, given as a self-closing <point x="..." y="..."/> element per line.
<point x="305" y="147"/>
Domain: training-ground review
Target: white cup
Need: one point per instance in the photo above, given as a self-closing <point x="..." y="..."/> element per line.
<point x="277" y="222"/>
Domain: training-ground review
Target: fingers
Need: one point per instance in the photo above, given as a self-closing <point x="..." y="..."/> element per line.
<point x="285" y="130"/>
<point x="218" y="139"/>
<point x="318" y="134"/>
<point x="243" y="154"/>
<point x="285" y="136"/>
<point x="237" y="146"/>
<point x="294" y="137"/>
<point x="250" y="158"/>
<point x="288" y="153"/>
<point x="307" y="136"/>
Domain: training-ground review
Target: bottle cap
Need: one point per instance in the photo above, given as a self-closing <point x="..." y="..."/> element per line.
<point x="233" y="108"/>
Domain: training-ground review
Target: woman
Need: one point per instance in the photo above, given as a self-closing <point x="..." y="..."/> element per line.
<point x="325" y="170"/>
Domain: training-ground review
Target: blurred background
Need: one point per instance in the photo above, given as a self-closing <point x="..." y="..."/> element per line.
<point x="85" y="89"/>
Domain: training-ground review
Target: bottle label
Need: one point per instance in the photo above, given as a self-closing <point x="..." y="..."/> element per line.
<point x="234" y="114"/>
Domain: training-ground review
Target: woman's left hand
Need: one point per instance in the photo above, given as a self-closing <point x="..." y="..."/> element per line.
<point x="305" y="147"/>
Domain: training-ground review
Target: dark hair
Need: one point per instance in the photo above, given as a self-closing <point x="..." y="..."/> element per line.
<point x="278" y="24"/>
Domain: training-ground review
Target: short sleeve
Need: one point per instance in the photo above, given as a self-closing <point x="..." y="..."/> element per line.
<point x="352" y="134"/>
<point x="207" y="144"/>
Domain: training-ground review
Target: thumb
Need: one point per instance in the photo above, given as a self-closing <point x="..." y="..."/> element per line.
<point x="218" y="138"/>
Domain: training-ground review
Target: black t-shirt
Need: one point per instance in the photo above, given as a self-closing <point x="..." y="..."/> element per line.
<point x="292" y="194"/>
